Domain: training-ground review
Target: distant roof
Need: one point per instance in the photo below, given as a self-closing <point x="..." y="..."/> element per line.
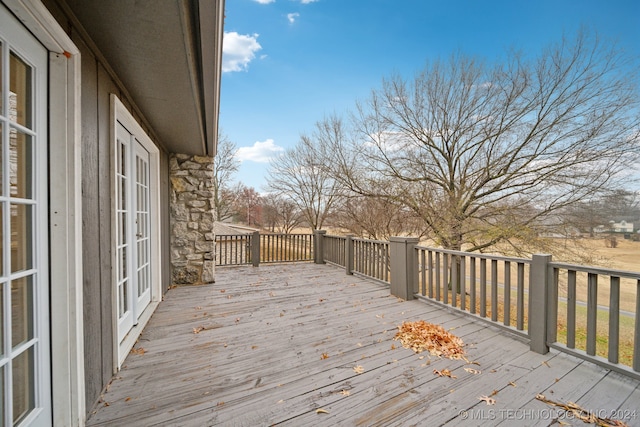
<point x="222" y="228"/>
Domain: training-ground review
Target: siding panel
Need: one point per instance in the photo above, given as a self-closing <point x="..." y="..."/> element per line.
<point x="90" y="226"/>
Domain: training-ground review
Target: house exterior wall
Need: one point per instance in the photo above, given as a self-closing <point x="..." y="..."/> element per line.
<point x="192" y="220"/>
<point x="97" y="84"/>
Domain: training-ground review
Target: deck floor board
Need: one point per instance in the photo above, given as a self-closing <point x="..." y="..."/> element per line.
<point x="272" y="345"/>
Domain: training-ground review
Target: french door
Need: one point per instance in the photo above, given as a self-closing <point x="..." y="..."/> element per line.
<point x="24" y="284"/>
<point x="133" y="239"/>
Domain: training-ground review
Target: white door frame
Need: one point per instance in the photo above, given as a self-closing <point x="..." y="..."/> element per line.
<point x="35" y="273"/>
<point x="123" y="344"/>
<point x="65" y="212"/>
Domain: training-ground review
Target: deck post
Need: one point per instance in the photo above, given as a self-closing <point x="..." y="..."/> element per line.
<point x="255" y="248"/>
<point x="348" y="254"/>
<point x="539" y="289"/>
<point x="318" y="246"/>
<point x="404" y="264"/>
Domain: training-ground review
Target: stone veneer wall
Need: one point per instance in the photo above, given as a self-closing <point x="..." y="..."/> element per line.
<point x="192" y="218"/>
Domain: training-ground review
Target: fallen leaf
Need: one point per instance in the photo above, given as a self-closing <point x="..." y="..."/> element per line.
<point x="380" y="316"/>
<point x="420" y="336"/>
<point x="321" y="411"/>
<point x="139" y="351"/>
<point x="222" y="291"/>
<point x="488" y="400"/>
<point x="345" y="392"/>
<point x="127" y="399"/>
<point x="253" y="347"/>
<point x="272" y="294"/>
<point x="198" y="329"/>
<point x="324" y="356"/>
<point x="546" y="363"/>
<point x="393" y="347"/>
<point x="280" y="401"/>
<point x="494" y="392"/>
<point x="473" y="371"/>
<point x="512" y="384"/>
<point x="358" y="369"/>
<point x="444" y="373"/>
<point x="220" y="403"/>
<point x="198" y="308"/>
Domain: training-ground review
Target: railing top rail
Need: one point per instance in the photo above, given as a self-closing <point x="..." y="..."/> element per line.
<point x="286" y="234"/>
<point x="596" y="270"/>
<point x="380" y="242"/>
<point x="333" y="236"/>
<point x="475" y="255"/>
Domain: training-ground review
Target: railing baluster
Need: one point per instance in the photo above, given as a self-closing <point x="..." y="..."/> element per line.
<point x="483" y="287"/>
<point x="423" y="272"/>
<point x="571" y="308"/>
<point x="463" y="283"/>
<point x="455" y="280"/>
<point x="636" y="332"/>
<point x="446" y="278"/>
<point x="430" y="268"/>
<point x="592" y="312"/>
<point x="614" y="319"/>
<point x="520" y="303"/>
<point x="472" y="284"/>
<point x="437" y="276"/>
<point x="507" y="293"/>
<point x="494" y="290"/>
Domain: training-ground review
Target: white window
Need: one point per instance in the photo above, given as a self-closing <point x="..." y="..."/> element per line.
<point x="24" y="283"/>
<point x="136" y="228"/>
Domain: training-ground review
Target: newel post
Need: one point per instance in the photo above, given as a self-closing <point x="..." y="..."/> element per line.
<point x="404" y="264"/>
<point x="348" y="254"/>
<point x="540" y="288"/>
<point x="318" y="246"/>
<point x="255" y="248"/>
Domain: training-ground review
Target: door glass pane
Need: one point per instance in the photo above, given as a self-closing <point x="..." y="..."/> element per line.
<point x="2" y="411"/>
<point x="1" y="238"/>
<point x="1" y="97"/>
<point x="21" y="310"/>
<point x="1" y="324"/>
<point x="19" y="91"/>
<point x="23" y="384"/>
<point x="1" y="144"/>
<point x="20" y="161"/>
<point x="21" y="233"/>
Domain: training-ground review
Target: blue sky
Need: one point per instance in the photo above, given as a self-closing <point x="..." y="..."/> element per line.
<point x="289" y="63"/>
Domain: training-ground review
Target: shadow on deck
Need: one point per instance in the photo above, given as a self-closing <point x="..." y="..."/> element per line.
<point x="275" y="344"/>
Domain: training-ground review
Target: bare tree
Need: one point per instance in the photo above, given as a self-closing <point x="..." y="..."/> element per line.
<point x="225" y="165"/>
<point x="248" y="205"/>
<point x="281" y="213"/>
<point x="376" y="218"/>
<point x="299" y="174"/>
<point x="483" y="154"/>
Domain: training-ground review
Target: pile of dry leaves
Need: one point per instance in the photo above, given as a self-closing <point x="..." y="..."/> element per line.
<point x="420" y="336"/>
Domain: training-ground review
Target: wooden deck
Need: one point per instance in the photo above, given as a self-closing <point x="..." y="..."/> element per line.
<point x="248" y="350"/>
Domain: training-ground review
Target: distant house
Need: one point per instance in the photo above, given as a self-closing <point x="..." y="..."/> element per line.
<point x="615" y="227"/>
<point x="105" y="108"/>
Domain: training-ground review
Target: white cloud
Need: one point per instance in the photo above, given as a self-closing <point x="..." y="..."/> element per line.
<point x="292" y="17"/>
<point x="238" y="50"/>
<point x="266" y="1"/>
<point x="260" y="152"/>
<point x="307" y="1"/>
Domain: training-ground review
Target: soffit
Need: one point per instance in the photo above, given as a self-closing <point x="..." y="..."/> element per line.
<point x="168" y="56"/>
